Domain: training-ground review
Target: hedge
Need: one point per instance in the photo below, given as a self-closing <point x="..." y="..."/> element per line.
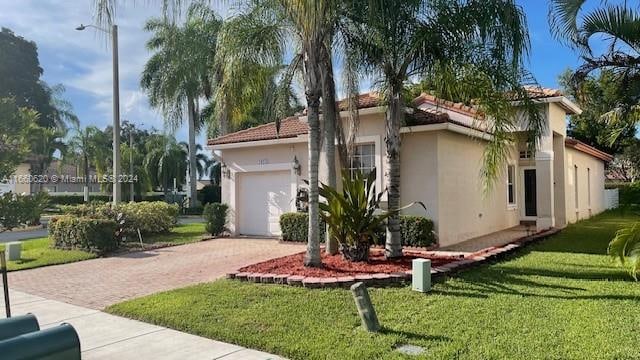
<point x="215" y="216"/>
<point x="83" y="233"/>
<point x="295" y="227"/>
<point x="416" y="231"/>
<point x="629" y="194"/>
<point x="149" y="217"/>
<point x="76" y="199"/>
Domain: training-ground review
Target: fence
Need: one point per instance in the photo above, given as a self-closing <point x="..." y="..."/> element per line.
<point x="611" y="198"/>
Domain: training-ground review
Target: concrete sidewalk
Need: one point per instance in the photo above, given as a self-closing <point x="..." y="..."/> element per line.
<point x="105" y="336"/>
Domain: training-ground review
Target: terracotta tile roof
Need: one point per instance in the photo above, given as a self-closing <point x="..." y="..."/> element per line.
<point x="289" y="128"/>
<point x="366" y="100"/>
<point x="425" y="117"/>
<point x="587" y="149"/>
<point x="538" y="92"/>
<point x="449" y="105"/>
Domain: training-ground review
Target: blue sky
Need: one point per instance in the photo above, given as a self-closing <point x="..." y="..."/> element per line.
<point x="81" y="61"/>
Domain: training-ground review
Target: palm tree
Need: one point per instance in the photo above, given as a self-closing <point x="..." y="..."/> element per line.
<point x="165" y="161"/>
<point x="87" y="147"/>
<point x="618" y="25"/>
<point x="401" y="40"/>
<point x="177" y="75"/>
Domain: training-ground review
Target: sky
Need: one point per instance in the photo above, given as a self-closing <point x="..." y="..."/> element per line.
<point x="81" y="61"/>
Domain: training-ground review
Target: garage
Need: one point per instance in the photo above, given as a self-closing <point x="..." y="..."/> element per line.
<point x="262" y="198"/>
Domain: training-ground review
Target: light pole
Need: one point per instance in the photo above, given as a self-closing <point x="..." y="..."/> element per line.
<point x="116" y="108"/>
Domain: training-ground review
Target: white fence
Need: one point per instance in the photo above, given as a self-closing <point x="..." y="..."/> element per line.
<point x="611" y="199"/>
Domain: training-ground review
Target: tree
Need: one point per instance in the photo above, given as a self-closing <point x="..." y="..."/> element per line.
<point x="178" y="74"/>
<point x="617" y="25"/>
<point x="165" y="161"/>
<point x="596" y="96"/>
<point x="86" y="146"/>
<point x="15" y="123"/>
<point x="398" y="41"/>
<point x="20" y="72"/>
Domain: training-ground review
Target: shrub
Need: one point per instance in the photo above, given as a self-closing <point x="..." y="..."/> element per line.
<point x="629" y="194"/>
<point x="17" y="210"/>
<point x="149" y="217"/>
<point x="76" y="199"/>
<point x="84" y="233"/>
<point x="417" y="231"/>
<point x="209" y="194"/>
<point x="215" y="216"/>
<point x="295" y="227"/>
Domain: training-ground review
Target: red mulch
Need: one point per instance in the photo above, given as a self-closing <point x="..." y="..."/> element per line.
<point x="337" y="266"/>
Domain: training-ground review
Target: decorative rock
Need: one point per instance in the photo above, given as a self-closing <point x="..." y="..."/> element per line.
<point x="13" y="250"/>
<point x="365" y="307"/>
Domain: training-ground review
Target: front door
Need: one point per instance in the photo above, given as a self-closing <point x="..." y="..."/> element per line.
<point x="530" y="204"/>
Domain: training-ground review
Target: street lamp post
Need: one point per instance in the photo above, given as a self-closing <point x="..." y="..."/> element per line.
<point x="116" y="108"/>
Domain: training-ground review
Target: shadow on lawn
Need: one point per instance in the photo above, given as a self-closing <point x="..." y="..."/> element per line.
<point x="413" y="336"/>
<point x="510" y="281"/>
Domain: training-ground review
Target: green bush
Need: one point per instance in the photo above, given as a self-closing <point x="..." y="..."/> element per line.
<point x="76" y="199"/>
<point x="295" y="227"/>
<point x="149" y="217"/>
<point x="629" y="194"/>
<point x="215" y="216"/>
<point x="417" y="231"/>
<point x="209" y="194"/>
<point x="17" y="210"/>
<point x="83" y="233"/>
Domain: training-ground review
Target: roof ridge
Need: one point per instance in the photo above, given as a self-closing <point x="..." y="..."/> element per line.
<point x="288" y="118"/>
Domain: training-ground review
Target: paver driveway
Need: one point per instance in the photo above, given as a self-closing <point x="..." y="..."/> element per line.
<point x="101" y="282"/>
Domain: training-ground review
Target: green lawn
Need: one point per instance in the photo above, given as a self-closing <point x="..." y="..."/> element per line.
<point x="559" y="299"/>
<point x="179" y="235"/>
<point x="38" y="252"/>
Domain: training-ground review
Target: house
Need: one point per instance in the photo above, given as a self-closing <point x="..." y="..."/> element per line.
<point x="441" y="159"/>
<point x="57" y="179"/>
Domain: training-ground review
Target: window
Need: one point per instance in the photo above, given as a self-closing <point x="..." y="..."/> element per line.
<point x="575" y="180"/>
<point x="511" y="184"/>
<point x="363" y="159"/>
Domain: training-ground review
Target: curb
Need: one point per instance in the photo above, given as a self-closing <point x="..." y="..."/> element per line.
<point x="397" y="278"/>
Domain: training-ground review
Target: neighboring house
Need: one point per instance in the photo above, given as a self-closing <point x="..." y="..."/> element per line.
<point x="57" y="179"/>
<point x="441" y="159"/>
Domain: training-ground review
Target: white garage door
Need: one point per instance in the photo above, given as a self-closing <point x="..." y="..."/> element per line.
<point x="262" y="198"/>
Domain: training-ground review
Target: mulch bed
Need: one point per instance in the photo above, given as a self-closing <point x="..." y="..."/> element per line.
<point x="337" y="266"/>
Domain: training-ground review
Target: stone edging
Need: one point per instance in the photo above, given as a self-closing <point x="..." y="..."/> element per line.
<point x="398" y="278"/>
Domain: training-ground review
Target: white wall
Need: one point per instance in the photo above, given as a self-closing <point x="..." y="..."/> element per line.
<point x="596" y="188"/>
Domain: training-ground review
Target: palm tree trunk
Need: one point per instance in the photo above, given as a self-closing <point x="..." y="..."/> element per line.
<point x="393" y="245"/>
<point x="330" y="122"/>
<point x="313" y="91"/>
<point x="192" y="153"/>
<point x="86" y="178"/>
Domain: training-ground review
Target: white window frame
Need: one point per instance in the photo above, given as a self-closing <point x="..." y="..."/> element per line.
<point x="374" y="139"/>
<point x="512" y="205"/>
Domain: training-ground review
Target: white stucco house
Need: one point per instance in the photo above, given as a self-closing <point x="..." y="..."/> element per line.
<point x="441" y="158"/>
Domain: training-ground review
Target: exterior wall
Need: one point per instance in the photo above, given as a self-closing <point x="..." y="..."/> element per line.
<point x="464" y="212"/>
<point x="597" y="175"/>
<point x="260" y="158"/>
<point x="419" y="173"/>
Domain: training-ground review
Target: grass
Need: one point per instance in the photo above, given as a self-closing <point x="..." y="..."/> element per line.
<point x="559" y="299"/>
<point x="38" y="252"/>
<point x="179" y="235"/>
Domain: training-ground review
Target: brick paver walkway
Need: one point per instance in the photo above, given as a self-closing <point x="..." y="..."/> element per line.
<point x="101" y="282"/>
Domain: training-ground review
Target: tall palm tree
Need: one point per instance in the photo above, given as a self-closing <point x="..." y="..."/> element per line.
<point x="619" y="26"/>
<point x="177" y="75"/>
<point x="401" y="40"/>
